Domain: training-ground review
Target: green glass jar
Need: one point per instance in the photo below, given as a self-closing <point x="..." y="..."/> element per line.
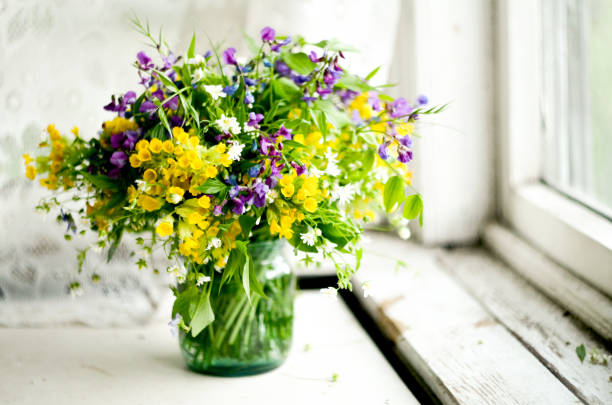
<point x="247" y="337"/>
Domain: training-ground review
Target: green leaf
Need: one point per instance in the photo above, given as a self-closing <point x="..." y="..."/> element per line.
<point x="354" y="83"/>
<point x="286" y="89"/>
<point x="413" y="206"/>
<point x="335" y="45"/>
<point x="185" y="303"/>
<point x="191" y="51"/>
<point x="100" y="181"/>
<point x="372" y="73"/>
<point x="581" y="352"/>
<point x="368" y="161"/>
<point x="393" y="193"/>
<point x="254" y="283"/>
<point x="246" y="224"/>
<point x="212" y="186"/>
<point x="235" y="262"/>
<point x="300" y="62"/>
<point x="369" y="137"/>
<point x="203" y="314"/>
<point x="164" y="120"/>
<point x="250" y="43"/>
<point x="166" y="80"/>
<point x="332" y="114"/>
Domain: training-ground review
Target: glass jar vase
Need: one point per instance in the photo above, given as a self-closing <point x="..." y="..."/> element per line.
<point x="247" y="337"/>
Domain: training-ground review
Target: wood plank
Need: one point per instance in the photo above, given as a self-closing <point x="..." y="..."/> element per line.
<point x="591" y="306"/>
<point x="545" y="328"/>
<point x="143" y="366"/>
<point x="462" y="353"/>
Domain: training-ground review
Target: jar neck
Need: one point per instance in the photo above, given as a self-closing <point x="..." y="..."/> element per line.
<point x="262" y="250"/>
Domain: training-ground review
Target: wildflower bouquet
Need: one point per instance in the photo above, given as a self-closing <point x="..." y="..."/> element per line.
<point x="216" y="153"/>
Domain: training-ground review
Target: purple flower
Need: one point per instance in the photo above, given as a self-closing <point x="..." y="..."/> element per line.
<point x="267" y="146"/>
<point x="144" y="61"/>
<point x="406" y="141"/>
<point x="119" y="159"/>
<point x="117" y="106"/>
<point x="248" y="98"/>
<point x="131" y="137"/>
<point x="404" y="155"/>
<point x="299" y="169"/>
<point x="356" y="117"/>
<point x="238" y="206"/>
<point x="158" y="94"/>
<point x="422" y="99"/>
<point x="173" y="324"/>
<point x="278" y="46"/>
<point x="400" y="108"/>
<point x="254" y="119"/>
<point x="307" y="97"/>
<point x="208" y="54"/>
<point x="374" y="101"/>
<point x="314" y="58"/>
<point x="282" y="68"/>
<point x="383" y="150"/>
<point x="284" y="132"/>
<point x="147" y="106"/>
<point x="229" y="56"/>
<point x="114" y="173"/>
<point x="169" y="60"/>
<point x="218" y="210"/>
<point x="116" y="140"/>
<point x="299" y="79"/>
<point x="173" y="103"/>
<point x="249" y="82"/>
<point x="233" y="192"/>
<point x="255" y="170"/>
<point x="129" y="97"/>
<point x="324" y="92"/>
<point x="271" y="182"/>
<point x="176" y="120"/>
<point x="268" y="34"/>
<point x="230" y="90"/>
<point x="275" y="169"/>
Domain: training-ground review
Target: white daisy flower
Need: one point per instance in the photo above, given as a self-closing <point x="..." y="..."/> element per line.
<point x="310" y="237"/>
<point x="342" y="194"/>
<point x="272" y="195"/>
<point x="228" y="124"/>
<point x="235" y="150"/>
<point x="215" y="91"/>
<point x="198" y="75"/>
<point x="178" y="272"/>
<point x="248" y="128"/>
<point x="196" y="60"/>
<point x="214" y="243"/>
<point x="202" y="279"/>
<point x="331" y="292"/>
<point x="404" y="233"/>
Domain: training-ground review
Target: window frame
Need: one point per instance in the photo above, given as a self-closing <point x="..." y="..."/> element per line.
<point x="567" y="231"/>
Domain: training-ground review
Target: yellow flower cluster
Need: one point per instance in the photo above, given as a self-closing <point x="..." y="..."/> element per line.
<point x="52" y="163"/>
<point x="174" y="167"/>
<point x="307" y="190"/>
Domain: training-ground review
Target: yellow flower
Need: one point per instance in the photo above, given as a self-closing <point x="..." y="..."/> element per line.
<point x="142" y="144"/>
<point x="204" y="201"/>
<point x="184" y="161"/>
<point x="30" y="172"/>
<point x="132" y="193"/>
<point x="194" y="218"/>
<point x="148" y="203"/>
<point x="310" y="204"/>
<point x="287" y="179"/>
<point x="144" y="155"/>
<point x="194" y="141"/>
<point x="405" y="128"/>
<point x="300" y="216"/>
<point x="197" y="164"/>
<point x="164" y="229"/>
<point x="211" y="171"/>
<point x="311" y="186"/>
<point x="174" y="195"/>
<point x="27" y="159"/>
<point x="168" y="146"/>
<point x="179" y="134"/>
<point x="156" y="145"/>
<point x="288" y="190"/>
<point x="149" y="175"/>
<point x="56" y="166"/>
<point x="220" y="148"/>
<point x="301" y="194"/>
<point x="225" y="160"/>
<point x="134" y="161"/>
<point x="75" y="131"/>
<point x="274" y="227"/>
<point x="178" y="151"/>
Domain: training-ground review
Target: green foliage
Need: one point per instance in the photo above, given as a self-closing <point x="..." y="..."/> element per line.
<point x="581" y="352"/>
<point x="394" y="193"/>
<point x="299" y="62"/>
<point x="213" y="186"/>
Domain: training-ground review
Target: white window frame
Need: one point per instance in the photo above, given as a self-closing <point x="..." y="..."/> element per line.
<point x="567" y="231"/>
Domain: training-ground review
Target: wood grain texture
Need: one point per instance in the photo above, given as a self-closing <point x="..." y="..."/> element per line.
<point x="459" y="349"/>
<point x="591" y="306"/>
<point x="143" y="366"/>
<point x="549" y="332"/>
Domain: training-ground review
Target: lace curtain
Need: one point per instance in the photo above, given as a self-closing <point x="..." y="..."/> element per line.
<point x="60" y="61"/>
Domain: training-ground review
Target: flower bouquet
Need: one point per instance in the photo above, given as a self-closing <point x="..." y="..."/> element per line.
<point x="220" y="161"/>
